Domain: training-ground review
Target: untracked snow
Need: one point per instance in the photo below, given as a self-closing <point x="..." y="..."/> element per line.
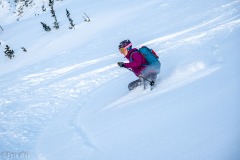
<point x="66" y="98"/>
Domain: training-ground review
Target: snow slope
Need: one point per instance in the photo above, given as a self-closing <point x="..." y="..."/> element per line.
<point x="67" y="99"/>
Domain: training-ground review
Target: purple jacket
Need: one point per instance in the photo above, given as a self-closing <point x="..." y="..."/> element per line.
<point x="137" y="61"/>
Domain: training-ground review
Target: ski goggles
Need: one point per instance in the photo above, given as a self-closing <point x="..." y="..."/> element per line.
<point x="122" y="50"/>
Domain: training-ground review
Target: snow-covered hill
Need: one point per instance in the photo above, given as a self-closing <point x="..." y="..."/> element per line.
<point x="65" y="98"/>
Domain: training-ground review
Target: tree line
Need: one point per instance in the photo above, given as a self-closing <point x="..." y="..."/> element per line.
<point x="10" y="52"/>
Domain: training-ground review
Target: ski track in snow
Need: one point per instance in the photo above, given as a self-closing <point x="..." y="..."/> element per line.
<point x="205" y="31"/>
<point x="178" y="79"/>
<point x="40" y="88"/>
<point x="78" y="86"/>
<point x="195" y="70"/>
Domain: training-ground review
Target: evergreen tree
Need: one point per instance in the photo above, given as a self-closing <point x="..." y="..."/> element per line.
<point x="51" y="3"/>
<point x="86" y="19"/>
<point x="70" y="20"/>
<point x="56" y="24"/>
<point x="26" y="3"/>
<point x="46" y="27"/>
<point x="8" y="52"/>
<point x="20" y="11"/>
<point x="24" y="49"/>
<point x="1" y="28"/>
<point x="43" y="8"/>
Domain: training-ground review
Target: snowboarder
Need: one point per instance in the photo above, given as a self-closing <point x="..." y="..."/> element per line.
<point x="138" y="65"/>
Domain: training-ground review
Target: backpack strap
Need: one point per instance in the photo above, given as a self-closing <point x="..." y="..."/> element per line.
<point x="131" y="60"/>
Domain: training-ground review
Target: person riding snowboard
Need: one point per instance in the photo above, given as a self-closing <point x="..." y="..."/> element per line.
<point x="138" y="64"/>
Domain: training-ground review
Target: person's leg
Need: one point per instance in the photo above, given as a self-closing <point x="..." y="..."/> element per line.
<point x="149" y="79"/>
<point x="145" y="80"/>
<point x="153" y="77"/>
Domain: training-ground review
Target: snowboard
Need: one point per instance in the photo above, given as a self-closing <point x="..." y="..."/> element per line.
<point x="132" y="85"/>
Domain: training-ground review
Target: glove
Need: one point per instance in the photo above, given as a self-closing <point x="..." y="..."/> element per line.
<point x="121" y="64"/>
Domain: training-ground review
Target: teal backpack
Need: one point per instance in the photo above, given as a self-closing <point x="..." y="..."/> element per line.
<point x="150" y="56"/>
<point x="153" y="63"/>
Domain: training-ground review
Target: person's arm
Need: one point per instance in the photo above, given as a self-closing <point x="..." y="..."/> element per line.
<point x="136" y="61"/>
